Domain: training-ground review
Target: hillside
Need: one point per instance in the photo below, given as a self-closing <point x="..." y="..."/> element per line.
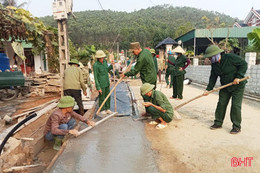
<point x="149" y="26"/>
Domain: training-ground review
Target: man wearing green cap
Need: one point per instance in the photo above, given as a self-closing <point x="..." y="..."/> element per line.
<point x="159" y="106"/>
<point x="73" y="83"/>
<point x="230" y="68"/>
<point x="144" y="64"/>
<point x="101" y="70"/>
<point x="62" y="121"/>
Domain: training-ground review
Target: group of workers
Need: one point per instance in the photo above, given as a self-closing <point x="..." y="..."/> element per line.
<point x="229" y="67"/>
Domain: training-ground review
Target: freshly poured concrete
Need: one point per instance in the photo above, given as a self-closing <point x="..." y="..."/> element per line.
<point x="119" y="145"/>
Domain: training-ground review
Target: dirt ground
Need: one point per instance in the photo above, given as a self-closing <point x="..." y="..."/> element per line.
<point x="188" y="145"/>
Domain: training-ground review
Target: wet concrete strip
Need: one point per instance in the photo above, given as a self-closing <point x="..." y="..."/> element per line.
<point x="118" y="145"/>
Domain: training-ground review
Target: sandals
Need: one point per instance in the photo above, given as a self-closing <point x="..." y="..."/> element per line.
<point x="161" y="126"/>
<point x="153" y="123"/>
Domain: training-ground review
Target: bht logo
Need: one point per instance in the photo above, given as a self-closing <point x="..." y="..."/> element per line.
<point x="238" y="162"/>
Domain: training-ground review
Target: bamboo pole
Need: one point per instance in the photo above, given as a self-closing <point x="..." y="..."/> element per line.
<point x="115" y="89"/>
<point x="214" y="90"/>
<point x="97" y="123"/>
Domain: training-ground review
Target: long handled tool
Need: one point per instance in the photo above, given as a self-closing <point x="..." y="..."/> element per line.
<point x="121" y="78"/>
<point x="214" y="90"/>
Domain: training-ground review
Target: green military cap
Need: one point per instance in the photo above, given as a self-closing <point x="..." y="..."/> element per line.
<point x="145" y="88"/>
<point x="74" y="61"/>
<point x="100" y="54"/>
<point x="212" y="51"/>
<point x="66" y="102"/>
<point x="134" y="45"/>
<point x="152" y="51"/>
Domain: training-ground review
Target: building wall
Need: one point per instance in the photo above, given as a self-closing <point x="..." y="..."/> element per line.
<point x="200" y="74"/>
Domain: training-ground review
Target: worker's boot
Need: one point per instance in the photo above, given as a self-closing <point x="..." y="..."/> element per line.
<point x="57" y="143"/>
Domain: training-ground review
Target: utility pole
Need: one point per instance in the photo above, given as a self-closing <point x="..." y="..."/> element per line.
<point x="61" y="10"/>
<point x="64" y="55"/>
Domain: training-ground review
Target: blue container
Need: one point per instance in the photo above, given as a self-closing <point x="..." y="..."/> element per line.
<point x="4" y="62"/>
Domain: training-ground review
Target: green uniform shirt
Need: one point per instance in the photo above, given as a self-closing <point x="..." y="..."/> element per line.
<point x="180" y="62"/>
<point x="145" y="66"/>
<point x="159" y="99"/>
<point x="155" y="63"/>
<point x="230" y="67"/>
<point x="73" y="79"/>
<point x="101" y="74"/>
<point x="172" y="59"/>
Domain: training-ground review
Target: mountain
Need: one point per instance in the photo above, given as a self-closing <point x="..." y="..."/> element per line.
<point x="148" y="26"/>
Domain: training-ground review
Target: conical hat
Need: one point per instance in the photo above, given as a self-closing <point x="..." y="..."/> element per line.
<point x="178" y="49"/>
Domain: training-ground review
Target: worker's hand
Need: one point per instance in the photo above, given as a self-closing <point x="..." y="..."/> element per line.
<point x="180" y="69"/>
<point x="85" y="93"/>
<point x="91" y="123"/>
<point x="236" y="81"/>
<point x="206" y="93"/>
<point x="74" y="132"/>
<point x="122" y="75"/>
<point x="100" y="92"/>
<point x="147" y="104"/>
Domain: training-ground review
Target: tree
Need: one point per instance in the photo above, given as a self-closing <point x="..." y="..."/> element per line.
<point x="254" y="37"/>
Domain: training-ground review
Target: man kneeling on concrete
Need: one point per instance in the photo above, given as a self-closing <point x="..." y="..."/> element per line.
<point x="62" y="121"/>
<point x="158" y="106"/>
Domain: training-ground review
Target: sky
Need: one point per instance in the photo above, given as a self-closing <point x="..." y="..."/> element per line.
<point x="234" y="8"/>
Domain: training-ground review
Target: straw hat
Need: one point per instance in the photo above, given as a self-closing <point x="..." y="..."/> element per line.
<point x="178" y="49"/>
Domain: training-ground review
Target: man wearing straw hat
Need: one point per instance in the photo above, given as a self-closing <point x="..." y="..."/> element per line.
<point x="180" y="64"/>
<point x="158" y="106"/>
<point x="73" y="83"/>
<point x="230" y="68"/>
<point x="101" y="70"/>
<point x="62" y="121"/>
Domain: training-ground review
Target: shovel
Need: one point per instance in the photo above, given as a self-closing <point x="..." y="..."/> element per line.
<point x="199" y="96"/>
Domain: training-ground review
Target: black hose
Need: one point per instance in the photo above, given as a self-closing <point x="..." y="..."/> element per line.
<point x="14" y="129"/>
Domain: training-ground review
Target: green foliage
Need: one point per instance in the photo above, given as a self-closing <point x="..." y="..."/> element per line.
<point x="148" y="26"/>
<point x="18" y="24"/>
<point x="229" y="44"/>
<point x="254" y="37"/>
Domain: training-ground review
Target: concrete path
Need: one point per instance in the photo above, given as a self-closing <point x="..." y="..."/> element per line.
<point x="117" y="145"/>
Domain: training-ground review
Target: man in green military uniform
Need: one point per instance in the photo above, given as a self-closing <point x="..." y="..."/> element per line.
<point x="154" y="60"/>
<point x="101" y="70"/>
<point x="73" y="83"/>
<point x="169" y="70"/>
<point x="178" y="73"/>
<point x="144" y="64"/>
<point x="230" y="68"/>
<point x="159" y="106"/>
